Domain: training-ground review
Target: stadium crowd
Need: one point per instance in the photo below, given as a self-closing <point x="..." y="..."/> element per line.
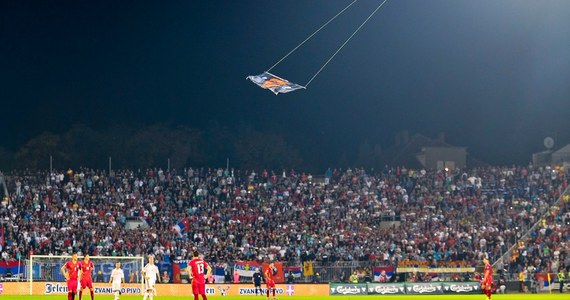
<point x="243" y="215"/>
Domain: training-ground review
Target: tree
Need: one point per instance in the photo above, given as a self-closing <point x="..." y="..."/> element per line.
<point x="36" y="153"/>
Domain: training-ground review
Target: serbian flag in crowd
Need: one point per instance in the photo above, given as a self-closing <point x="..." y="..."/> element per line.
<point x="279" y="276"/>
<point x="546" y="279"/>
<point x="219" y="273"/>
<point x="295" y="270"/>
<point x="182" y="226"/>
<point x="246" y="268"/>
<point x="378" y="272"/>
<point x="15" y="267"/>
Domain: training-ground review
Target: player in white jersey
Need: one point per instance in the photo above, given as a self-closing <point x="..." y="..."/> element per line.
<point x="150" y="274"/>
<point x="117" y="277"/>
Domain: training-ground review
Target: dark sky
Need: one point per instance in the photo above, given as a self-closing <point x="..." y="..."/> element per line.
<point x="494" y="75"/>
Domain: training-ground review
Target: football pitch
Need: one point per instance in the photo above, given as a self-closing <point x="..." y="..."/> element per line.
<point x="399" y="297"/>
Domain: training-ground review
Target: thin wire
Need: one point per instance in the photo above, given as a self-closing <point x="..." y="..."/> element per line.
<point x="310" y="36"/>
<point x="338" y="50"/>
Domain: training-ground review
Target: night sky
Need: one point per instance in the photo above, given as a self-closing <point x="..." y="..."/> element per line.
<point x="494" y="75"/>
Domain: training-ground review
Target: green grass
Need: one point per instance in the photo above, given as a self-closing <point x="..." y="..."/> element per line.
<point x="554" y="296"/>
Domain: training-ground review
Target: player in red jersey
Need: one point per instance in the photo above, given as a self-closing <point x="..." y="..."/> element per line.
<point x="196" y="269"/>
<point x="269" y="280"/>
<point x="72" y="272"/>
<point x="86" y="280"/>
<point x="487" y="282"/>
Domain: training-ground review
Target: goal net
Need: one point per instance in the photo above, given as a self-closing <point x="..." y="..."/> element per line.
<point x="47" y="276"/>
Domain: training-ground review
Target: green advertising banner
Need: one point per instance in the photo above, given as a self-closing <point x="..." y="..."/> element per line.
<point x="461" y="287"/>
<point x="386" y="288"/>
<point x="348" y="289"/>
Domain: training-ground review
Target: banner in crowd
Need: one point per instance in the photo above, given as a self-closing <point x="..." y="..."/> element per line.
<point x="389" y="271"/>
<point x="461" y="287"/>
<point x="296" y="271"/>
<point x="279" y="276"/>
<point x="308" y="268"/>
<point x="179" y="271"/>
<point x="247" y="268"/>
<point x="444" y="267"/>
<point x="14" y="267"/>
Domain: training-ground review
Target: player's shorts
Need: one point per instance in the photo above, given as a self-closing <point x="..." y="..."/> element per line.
<point x="72" y="285"/>
<point x="150" y="283"/>
<point x="87" y="283"/>
<point x="487" y="283"/>
<point x="198" y="288"/>
<point x="257" y="284"/>
<point x="270" y="283"/>
<point x="116" y="286"/>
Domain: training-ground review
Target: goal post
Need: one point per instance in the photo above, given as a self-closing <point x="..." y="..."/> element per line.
<point x="47" y="269"/>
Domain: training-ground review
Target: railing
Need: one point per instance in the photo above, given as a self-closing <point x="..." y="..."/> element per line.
<point x="534" y="227"/>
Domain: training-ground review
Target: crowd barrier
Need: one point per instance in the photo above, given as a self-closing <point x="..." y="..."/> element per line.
<point x="60" y="288"/>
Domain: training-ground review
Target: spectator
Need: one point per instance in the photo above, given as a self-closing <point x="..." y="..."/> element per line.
<point x="502" y="285"/>
<point x="354" y="277"/>
<point x="290" y="278"/>
<point x="317" y="278"/>
<point x="383" y="277"/>
<point x="464" y="213"/>
<point x="165" y="277"/>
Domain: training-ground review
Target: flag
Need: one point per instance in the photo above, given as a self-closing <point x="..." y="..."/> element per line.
<point x="273" y="83"/>
<point x="295" y="270"/>
<point x="546" y="280"/>
<point x="182" y="226"/>
<point x="219" y="273"/>
<point x="378" y="270"/>
<point x="246" y="268"/>
<point x="186" y="223"/>
<point x="308" y="268"/>
<point x="15" y="267"/>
